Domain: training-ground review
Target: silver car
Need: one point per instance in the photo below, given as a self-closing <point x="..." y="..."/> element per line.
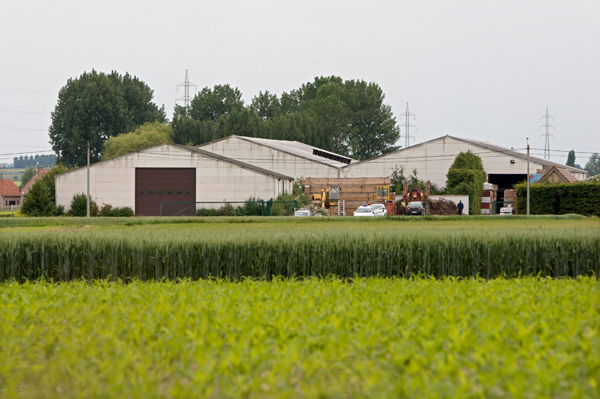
<point x="379" y="209"/>
<point x="302" y="213"/>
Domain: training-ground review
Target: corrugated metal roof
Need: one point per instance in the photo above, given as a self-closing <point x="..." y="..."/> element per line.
<point x="205" y="153"/>
<point x="300" y="149"/>
<point x="516" y="154"/>
<point x="491" y="147"/>
<point x="233" y="161"/>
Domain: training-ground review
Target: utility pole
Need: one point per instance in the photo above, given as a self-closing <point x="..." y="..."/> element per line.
<point x="88" y="182"/>
<point x="186" y="90"/>
<point x="528" y="176"/>
<point x="407" y="126"/>
<point x="547" y="134"/>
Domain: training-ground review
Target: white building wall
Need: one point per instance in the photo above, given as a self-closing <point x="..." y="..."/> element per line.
<point x="113" y="182"/>
<point x="432" y="160"/>
<point x="270" y="158"/>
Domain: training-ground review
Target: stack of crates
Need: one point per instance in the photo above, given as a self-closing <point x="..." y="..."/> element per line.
<point x="490" y="192"/>
<point x="510" y="195"/>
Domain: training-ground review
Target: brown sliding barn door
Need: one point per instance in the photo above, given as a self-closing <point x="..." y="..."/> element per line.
<point x="175" y="188"/>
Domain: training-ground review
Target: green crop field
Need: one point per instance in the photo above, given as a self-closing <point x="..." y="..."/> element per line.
<point x="64" y="249"/>
<point x="315" y="338"/>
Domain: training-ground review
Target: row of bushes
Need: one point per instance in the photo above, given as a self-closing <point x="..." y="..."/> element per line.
<point x="253" y="207"/>
<point x="560" y="199"/>
<point x="79" y="208"/>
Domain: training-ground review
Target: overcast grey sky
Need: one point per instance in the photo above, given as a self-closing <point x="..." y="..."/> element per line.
<point x="476" y="69"/>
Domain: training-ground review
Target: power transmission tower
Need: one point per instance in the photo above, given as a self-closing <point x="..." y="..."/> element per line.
<point x="186" y="90"/>
<point x="407" y="126"/>
<point x="547" y="134"/>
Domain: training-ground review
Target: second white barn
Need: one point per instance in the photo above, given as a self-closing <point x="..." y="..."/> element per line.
<point x="291" y="158"/>
<point x="432" y="160"/>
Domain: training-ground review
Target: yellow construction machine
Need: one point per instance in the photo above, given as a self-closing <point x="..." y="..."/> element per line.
<point x="328" y="196"/>
<point x="385" y="194"/>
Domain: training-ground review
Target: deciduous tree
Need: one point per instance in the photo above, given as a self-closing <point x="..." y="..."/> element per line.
<point x="94" y="107"/>
<point x="593" y="165"/>
<point x="147" y="135"/>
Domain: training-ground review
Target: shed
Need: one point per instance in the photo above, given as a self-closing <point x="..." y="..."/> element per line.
<point x="172" y="173"/>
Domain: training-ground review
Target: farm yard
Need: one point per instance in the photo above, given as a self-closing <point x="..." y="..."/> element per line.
<point x="472" y="307"/>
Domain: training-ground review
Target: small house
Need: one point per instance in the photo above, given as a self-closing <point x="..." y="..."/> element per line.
<point x="10" y="195"/>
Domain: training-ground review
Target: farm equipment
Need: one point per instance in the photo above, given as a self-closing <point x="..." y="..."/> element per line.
<point x="328" y="196"/>
<point x="415" y="193"/>
<point x="385" y="194"/>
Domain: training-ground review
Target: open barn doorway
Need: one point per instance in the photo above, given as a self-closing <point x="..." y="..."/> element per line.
<point x="504" y="182"/>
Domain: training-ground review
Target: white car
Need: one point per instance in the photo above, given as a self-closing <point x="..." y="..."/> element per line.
<point x="379" y="209"/>
<point x="364" y="210"/>
<point x="302" y="213"/>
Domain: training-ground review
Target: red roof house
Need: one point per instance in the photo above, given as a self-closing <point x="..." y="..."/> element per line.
<point x="558" y="175"/>
<point x="38" y="175"/>
<point x="10" y="195"/>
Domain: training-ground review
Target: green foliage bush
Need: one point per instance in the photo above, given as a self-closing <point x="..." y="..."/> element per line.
<point x="107" y="210"/>
<point x="79" y="206"/>
<point x="42" y="201"/>
<point x="207" y="212"/>
<point x="227" y="210"/>
<point x="38" y="201"/>
<point x="560" y="199"/>
<point x="253" y="206"/>
<point x="466" y="177"/>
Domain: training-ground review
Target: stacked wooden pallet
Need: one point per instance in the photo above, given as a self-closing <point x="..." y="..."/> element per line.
<point x="353" y="191"/>
<point x="490" y="193"/>
<point x="510" y="195"/>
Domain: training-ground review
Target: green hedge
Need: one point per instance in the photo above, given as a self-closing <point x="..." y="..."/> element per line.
<point x="560" y="199"/>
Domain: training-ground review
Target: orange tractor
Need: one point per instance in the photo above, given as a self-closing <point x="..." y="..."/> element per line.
<point x="414" y="193"/>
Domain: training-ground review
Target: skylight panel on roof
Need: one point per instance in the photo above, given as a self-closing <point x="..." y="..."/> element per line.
<point x="329" y="155"/>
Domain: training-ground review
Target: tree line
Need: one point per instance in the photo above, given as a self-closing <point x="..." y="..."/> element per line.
<point x="44" y="161"/>
<point x="348" y="117"/>
<point x="592" y="166"/>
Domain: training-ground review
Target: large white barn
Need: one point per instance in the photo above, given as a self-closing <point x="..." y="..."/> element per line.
<point x="432" y="160"/>
<point x="290" y="158"/>
<point x="236" y="168"/>
<point x="170" y="173"/>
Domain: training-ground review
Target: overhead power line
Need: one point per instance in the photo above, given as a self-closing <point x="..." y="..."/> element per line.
<point x="35" y="91"/>
<point x="576" y="152"/>
<point x="22" y="128"/>
<point x="25" y="112"/>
